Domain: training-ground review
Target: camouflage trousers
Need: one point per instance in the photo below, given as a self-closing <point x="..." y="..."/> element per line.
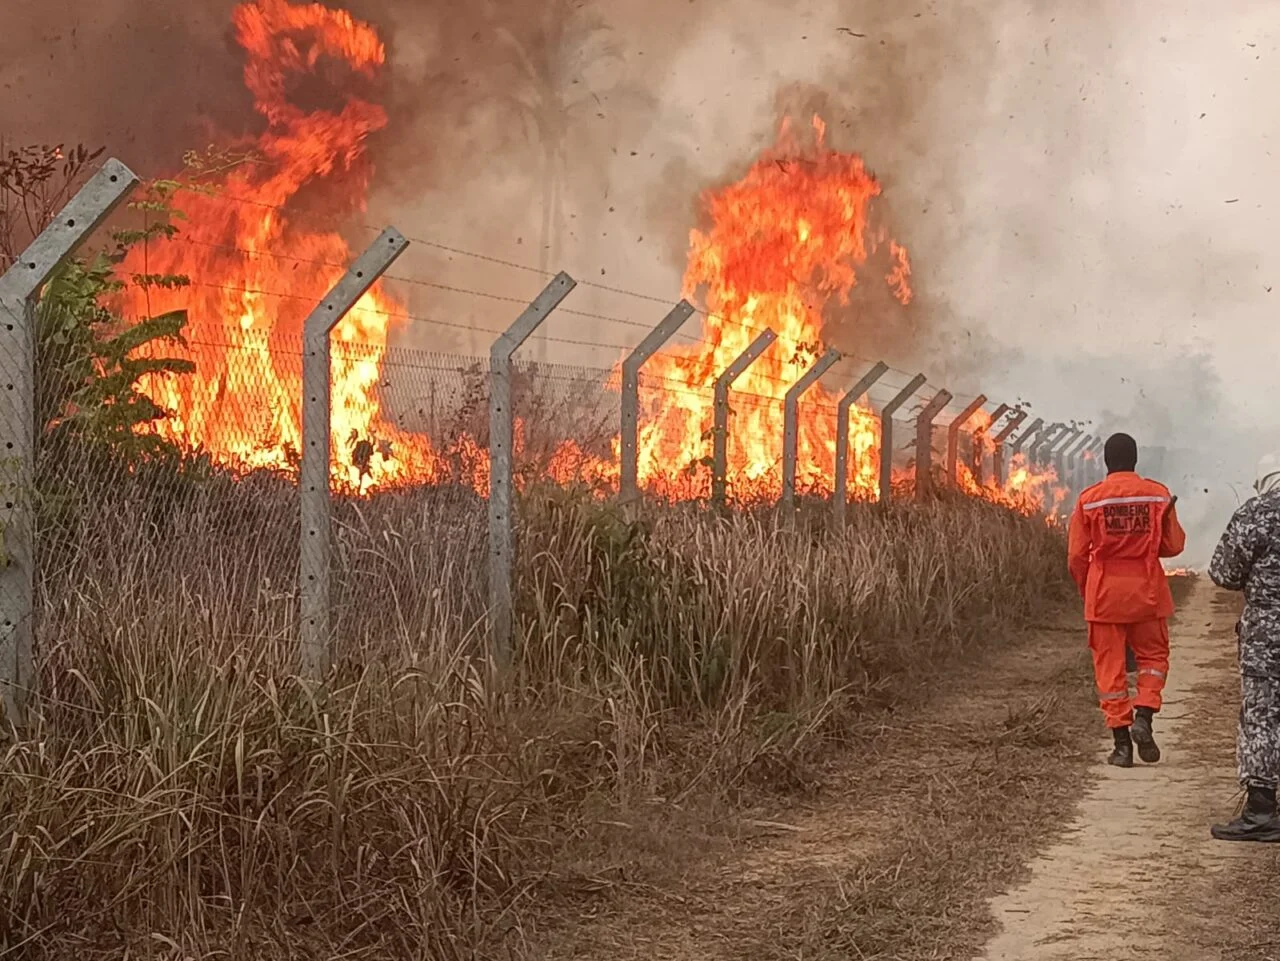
<point x="1258" y="736"/>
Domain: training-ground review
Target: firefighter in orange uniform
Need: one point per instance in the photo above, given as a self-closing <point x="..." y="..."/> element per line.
<point x="1120" y="529"/>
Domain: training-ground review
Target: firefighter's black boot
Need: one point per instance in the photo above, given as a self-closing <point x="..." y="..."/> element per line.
<point x="1258" y="820"/>
<point x="1122" y="756"/>
<point x="1143" y="737"/>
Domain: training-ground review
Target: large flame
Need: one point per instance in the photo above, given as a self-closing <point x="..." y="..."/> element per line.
<point x="248" y="302"/>
<point x="783" y="244"/>
<point x="782" y="249"/>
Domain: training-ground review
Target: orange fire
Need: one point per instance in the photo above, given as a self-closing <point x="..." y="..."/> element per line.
<point x="782" y="248"/>
<point x="246" y="304"/>
<point x="1027" y="489"/>
<point x="783" y="244"/>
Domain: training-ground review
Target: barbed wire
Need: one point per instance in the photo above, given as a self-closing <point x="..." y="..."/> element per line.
<point x="706" y="315"/>
<point x="468" y="328"/>
<point x="489" y="258"/>
<point x="231" y="288"/>
<point x="514" y="265"/>
<point x="463" y="363"/>
<point x="573" y="312"/>
<point x="488" y="295"/>
<point x="394" y="358"/>
<point x="622" y="291"/>
<point x="649" y="298"/>
<point x="271" y="254"/>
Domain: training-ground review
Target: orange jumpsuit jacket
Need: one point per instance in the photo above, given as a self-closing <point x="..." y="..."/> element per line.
<point x="1120" y="529"/>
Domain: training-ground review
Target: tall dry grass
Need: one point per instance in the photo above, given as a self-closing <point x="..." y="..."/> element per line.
<point x="180" y="794"/>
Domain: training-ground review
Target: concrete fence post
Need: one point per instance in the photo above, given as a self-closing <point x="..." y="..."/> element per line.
<point x="1040" y="448"/>
<point x="1035" y="454"/>
<point x="953" y="437"/>
<point x="1033" y="431"/>
<point x="1072" y="462"/>
<point x="886" y="435"/>
<point x="20" y="288"/>
<point x="1024" y="443"/>
<point x="1031" y="449"/>
<point x="1049" y="451"/>
<point x="628" y="485"/>
<point x="982" y="439"/>
<point x="1049" y="446"/>
<point x="1069" y="442"/>
<point x="314" y="475"/>
<point x="720" y="428"/>
<point x="998" y="476"/>
<point x="1066" y="457"/>
<point x="924" y="440"/>
<point x="840" y="499"/>
<point x="791" y="426"/>
<point x="502" y="534"/>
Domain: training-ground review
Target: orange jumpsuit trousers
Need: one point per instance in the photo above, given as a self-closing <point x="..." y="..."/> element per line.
<point x="1149" y="641"/>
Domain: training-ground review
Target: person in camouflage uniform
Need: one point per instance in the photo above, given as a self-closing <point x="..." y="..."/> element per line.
<point x="1248" y="559"/>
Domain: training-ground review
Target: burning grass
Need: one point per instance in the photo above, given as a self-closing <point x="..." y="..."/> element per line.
<point x="181" y="794"/>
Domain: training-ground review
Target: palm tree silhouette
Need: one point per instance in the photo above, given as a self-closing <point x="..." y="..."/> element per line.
<point x="553" y="54"/>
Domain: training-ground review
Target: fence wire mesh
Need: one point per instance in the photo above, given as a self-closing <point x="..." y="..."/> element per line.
<point x="163" y="480"/>
<point x="168" y="432"/>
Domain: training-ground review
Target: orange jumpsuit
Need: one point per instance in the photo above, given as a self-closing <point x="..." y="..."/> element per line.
<point x="1119" y="530"/>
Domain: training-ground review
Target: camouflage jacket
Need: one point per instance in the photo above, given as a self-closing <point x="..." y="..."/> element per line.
<point x="1248" y="559"/>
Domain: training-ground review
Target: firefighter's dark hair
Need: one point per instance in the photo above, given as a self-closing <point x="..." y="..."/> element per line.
<point x="1120" y="453"/>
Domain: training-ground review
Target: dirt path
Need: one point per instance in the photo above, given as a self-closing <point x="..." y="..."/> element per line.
<point x="1138" y="876"/>
<point x="981" y="823"/>
<point x="900" y="852"/>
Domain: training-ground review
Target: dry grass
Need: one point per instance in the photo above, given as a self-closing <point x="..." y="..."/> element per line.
<point x="181" y="794"/>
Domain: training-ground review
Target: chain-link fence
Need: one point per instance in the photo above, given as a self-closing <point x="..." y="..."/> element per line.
<point x="157" y="450"/>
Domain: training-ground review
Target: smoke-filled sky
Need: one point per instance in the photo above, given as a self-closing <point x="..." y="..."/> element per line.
<point x="1087" y="188"/>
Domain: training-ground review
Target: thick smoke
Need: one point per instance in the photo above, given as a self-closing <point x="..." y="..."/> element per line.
<point x="618" y="112"/>
<point x="1115" y="263"/>
<point x="661" y="101"/>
